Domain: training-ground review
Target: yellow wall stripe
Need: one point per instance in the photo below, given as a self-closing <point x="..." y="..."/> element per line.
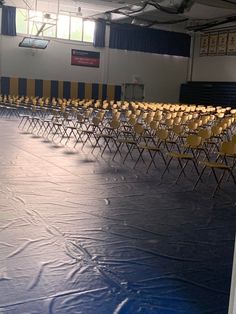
<point x="100" y="91"/>
<point x="46" y="89"/>
<point x="30" y="90"/>
<point x="60" y="89"/>
<point x="74" y="90"/>
<point x="110" y="92"/>
<point x="14" y="83"/>
<point x="88" y="91"/>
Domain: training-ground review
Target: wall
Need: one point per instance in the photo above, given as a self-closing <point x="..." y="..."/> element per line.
<point x="161" y="75"/>
<point x="214" y="68"/>
<point x="232" y="304"/>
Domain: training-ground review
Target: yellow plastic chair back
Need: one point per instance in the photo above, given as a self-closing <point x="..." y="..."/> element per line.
<point x="138" y="128"/>
<point x="177" y="129"/>
<point x="115" y="123"/>
<point x="193" y="140"/>
<point x="204" y="133"/>
<point x="234" y="138"/>
<point x="228" y="148"/>
<point x="162" y="134"/>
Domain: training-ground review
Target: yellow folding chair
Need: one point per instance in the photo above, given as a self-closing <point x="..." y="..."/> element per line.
<point x="227" y="151"/>
<point x="190" y="153"/>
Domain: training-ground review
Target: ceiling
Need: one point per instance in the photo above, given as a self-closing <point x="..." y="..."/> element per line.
<point x="180" y="15"/>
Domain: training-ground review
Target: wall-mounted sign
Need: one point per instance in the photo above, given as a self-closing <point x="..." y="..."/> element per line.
<point x="213" y="40"/>
<point x="231" y="49"/>
<point x="222" y="44"/>
<point x="85" y="58"/>
<point x="204" y="42"/>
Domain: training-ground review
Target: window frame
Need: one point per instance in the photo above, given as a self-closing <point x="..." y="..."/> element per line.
<point x="70" y="15"/>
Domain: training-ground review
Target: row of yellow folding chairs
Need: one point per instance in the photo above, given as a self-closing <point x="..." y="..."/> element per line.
<point x="133" y="118"/>
<point x="136" y="139"/>
<point x="193" y="142"/>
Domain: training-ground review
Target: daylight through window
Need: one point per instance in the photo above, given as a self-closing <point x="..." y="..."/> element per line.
<point x="68" y="27"/>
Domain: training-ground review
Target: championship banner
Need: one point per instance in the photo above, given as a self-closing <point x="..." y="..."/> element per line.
<point x="85" y="58"/>
<point x="231" y="48"/>
<point x="222" y="44"/>
<point x="204" y="41"/>
<point x="213" y="39"/>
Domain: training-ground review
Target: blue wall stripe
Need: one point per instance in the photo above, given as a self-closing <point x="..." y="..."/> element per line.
<point x="22" y="86"/>
<point x="39" y="88"/>
<point x="66" y="89"/>
<point x="95" y="91"/>
<point x="5" y="85"/>
<point x="54" y="89"/>
<point x="104" y="91"/>
<point x="117" y="92"/>
<point x="81" y="90"/>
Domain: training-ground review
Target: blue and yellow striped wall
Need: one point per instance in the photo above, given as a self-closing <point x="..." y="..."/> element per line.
<point x="62" y="89"/>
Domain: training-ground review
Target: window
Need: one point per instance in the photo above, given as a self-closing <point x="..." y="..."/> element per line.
<point x="63" y="27"/>
<point x="51" y="25"/>
<point x="76" y="28"/>
<point x="21" y="21"/>
<point x="88" y="31"/>
<point x="37" y="23"/>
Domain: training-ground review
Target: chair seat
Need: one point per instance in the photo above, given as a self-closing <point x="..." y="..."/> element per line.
<point x="88" y="131"/>
<point x="148" y="147"/>
<point x="121" y="140"/>
<point x="104" y="135"/>
<point x="227" y="155"/>
<point x="71" y="127"/>
<point x="179" y="155"/>
<point x="215" y="165"/>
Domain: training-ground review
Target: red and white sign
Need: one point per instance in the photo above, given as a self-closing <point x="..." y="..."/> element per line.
<point x="85" y="58"/>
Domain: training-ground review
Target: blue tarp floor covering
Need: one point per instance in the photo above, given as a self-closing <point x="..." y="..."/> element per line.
<point x="83" y="234"/>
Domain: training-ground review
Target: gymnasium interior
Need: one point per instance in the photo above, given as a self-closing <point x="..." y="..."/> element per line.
<point x="117" y="156"/>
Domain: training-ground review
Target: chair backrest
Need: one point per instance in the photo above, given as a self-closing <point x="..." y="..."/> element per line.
<point x="80" y="117"/>
<point x="87" y="113"/>
<point x="138" y="129"/>
<point x="178" y="129"/>
<point x="101" y="114"/>
<point x="116" y="115"/>
<point x="233" y="138"/>
<point x="148" y="120"/>
<point x="192" y="125"/>
<point x="228" y="148"/>
<point x="128" y="113"/>
<point x="193" y="140"/>
<point x="162" y="134"/>
<point x="169" y="122"/>
<point x="115" y="123"/>
<point x="205" y="119"/>
<point x="216" y="130"/>
<point x="105" y="105"/>
<point x="204" y="133"/>
<point x="184" y="119"/>
<point x="153" y="125"/>
<point x="132" y="120"/>
<point x="177" y="120"/>
<point x="157" y="116"/>
<point x="96" y="121"/>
